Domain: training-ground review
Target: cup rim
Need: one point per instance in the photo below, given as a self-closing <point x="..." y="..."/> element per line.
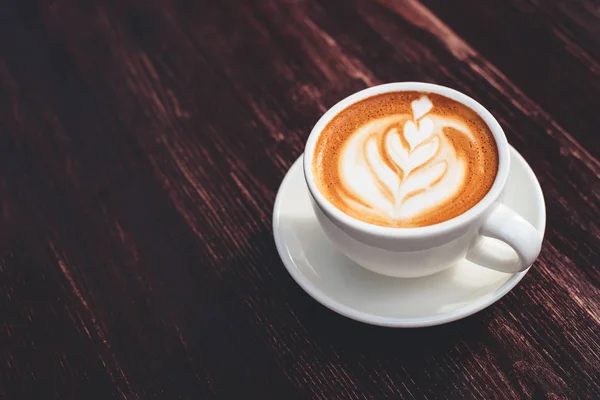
<point x="414" y="232"/>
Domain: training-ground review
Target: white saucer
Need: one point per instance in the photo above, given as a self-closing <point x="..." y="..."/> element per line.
<point x="344" y="287"/>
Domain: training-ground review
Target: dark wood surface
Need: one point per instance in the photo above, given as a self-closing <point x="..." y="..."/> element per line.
<point x="141" y="146"/>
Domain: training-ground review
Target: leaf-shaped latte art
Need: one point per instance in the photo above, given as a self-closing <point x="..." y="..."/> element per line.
<point x="399" y="166"/>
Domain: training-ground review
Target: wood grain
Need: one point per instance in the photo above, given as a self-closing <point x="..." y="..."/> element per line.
<point x="141" y="146"/>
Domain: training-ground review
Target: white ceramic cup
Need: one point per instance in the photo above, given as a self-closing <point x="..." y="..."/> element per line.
<point x="421" y="251"/>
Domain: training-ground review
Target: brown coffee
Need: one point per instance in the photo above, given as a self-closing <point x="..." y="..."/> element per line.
<point x="405" y="159"/>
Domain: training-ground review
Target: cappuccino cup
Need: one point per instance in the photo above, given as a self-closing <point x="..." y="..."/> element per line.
<point x="407" y="178"/>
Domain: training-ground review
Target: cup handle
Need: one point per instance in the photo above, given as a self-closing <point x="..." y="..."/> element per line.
<point x="509" y="227"/>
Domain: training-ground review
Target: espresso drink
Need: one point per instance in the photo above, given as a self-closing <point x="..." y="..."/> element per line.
<point x="405" y="159"/>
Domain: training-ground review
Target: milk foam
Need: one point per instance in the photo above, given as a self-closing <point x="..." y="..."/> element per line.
<point x="405" y="159"/>
<point x="398" y="166"/>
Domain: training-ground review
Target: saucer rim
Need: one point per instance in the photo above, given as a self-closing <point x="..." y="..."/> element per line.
<point x="397" y="322"/>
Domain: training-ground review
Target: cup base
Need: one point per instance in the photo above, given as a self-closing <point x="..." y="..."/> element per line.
<point x="357" y="293"/>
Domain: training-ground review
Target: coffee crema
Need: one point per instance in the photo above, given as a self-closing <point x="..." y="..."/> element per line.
<point x="405" y="159"/>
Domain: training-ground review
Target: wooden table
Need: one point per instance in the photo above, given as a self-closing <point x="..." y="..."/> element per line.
<point x="142" y="143"/>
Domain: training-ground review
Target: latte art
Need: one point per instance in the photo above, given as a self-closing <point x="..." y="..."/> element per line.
<point x="415" y="166"/>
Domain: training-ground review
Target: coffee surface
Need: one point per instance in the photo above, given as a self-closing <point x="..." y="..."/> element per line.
<point x="405" y="159"/>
